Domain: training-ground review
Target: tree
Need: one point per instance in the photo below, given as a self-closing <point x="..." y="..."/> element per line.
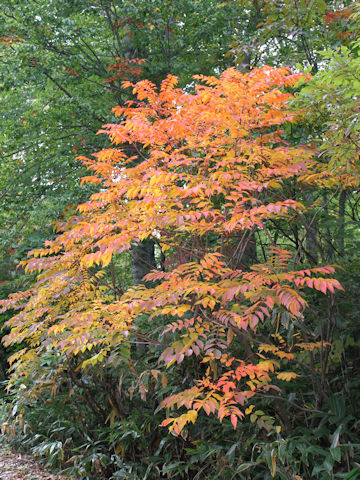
<point x="215" y="171"/>
<point x="291" y="32"/>
<point x="194" y="177"/>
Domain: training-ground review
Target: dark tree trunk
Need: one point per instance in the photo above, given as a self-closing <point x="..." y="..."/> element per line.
<point x="341" y="218"/>
<point x="311" y="240"/>
<point x="142" y="260"/>
<point x="250" y="256"/>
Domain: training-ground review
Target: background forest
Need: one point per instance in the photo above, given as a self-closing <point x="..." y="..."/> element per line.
<point x="194" y="310"/>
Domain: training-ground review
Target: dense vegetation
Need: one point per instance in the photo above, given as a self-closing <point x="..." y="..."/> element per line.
<point x="189" y="307"/>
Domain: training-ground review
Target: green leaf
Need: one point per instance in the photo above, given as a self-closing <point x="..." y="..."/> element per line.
<point x="336" y="453"/>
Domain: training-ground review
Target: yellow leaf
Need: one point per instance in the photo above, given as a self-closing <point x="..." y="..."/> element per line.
<point x="155" y="374"/>
<point x="163" y="380"/>
<point x="192" y="416"/>
<point x="267" y="365"/>
<point x="249" y="409"/>
<point x="287" y="376"/>
<point x="273" y="466"/>
<point x="230" y="336"/>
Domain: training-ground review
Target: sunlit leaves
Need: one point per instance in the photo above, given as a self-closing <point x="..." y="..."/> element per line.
<point x="209" y="171"/>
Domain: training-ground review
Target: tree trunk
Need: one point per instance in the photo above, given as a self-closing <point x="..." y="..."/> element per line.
<point x="341" y="219"/>
<point x="311" y="241"/>
<point x="142" y="260"/>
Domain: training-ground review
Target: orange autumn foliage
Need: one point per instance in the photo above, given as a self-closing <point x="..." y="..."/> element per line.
<point x="199" y="174"/>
